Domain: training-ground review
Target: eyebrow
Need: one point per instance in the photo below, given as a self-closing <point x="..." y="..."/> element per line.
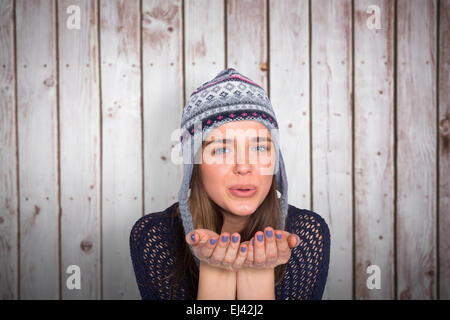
<point x="224" y="141"/>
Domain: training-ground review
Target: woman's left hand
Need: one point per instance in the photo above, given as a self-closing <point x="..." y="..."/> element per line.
<point x="270" y="249"/>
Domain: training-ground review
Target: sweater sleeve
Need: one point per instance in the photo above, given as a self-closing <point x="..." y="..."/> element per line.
<point x="147" y="291"/>
<point x="324" y="261"/>
<point x="151" y="256"/>
<point x="307" y="269"/>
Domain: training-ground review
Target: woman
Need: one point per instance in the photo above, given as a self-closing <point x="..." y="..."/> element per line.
<point x="247" y="243"/>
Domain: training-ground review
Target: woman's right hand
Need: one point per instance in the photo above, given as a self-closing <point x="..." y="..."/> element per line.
<point x="218" y="251"/>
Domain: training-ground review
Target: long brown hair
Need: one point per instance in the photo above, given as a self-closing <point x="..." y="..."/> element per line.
<point x="206" y="215"/>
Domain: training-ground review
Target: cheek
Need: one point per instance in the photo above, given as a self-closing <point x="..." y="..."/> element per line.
<point x="265" y="171"/>
<point x="266" y="164"/>
<point x="265" y="177"/>
<point x="214" y="177"/>
<point x="265" y="182"/>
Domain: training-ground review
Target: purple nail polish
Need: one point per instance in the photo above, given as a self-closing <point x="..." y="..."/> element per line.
<point x="235" y="239"/>
<point x="193" y="237"/>
<point x="260" y="237"/>
<point x="213" y="241"/>
<point x="253" y="242"/>
<point x="278" y="236"/>
<point x="224" y="238"/>
<point x="269" y="233"/>
<point x="243" y="249"/>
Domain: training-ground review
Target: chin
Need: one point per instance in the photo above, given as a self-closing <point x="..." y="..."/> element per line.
<point x="242" y="207"/>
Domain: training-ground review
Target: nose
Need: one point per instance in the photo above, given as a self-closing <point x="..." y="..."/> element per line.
<point x="242" y="161"/>
<point x="242" y="168"/>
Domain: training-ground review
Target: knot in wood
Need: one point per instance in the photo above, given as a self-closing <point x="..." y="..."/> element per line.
<point x="86" y="245"/>
<point x="444" y="127"/>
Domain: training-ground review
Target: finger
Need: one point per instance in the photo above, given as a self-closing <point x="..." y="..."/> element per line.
<point x="219" y="251"/>
<point x="192" y="238"/>
<point x="207" y="246"/>
<point x="271" y="246"/>
<point x="293" y="240"/>
<point x="259" y="255"/>
<point x="283" y="249"/>
<point x="241" y="256"/>
<point x="249" y="259"/>
<point x="230" y="255"/>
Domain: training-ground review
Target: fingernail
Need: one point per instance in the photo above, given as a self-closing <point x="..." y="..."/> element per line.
<point x="193" y="237"/>
<point x="243" y="249"/>
<point x="278" y="236"/>
<point x="269" y="233"/>
<point x="235" y="239"/>
<point x="253" y="242"/>
<point x="224" y="238"/>
<point x="260" y="237"/>
<point x="213" y="241"/>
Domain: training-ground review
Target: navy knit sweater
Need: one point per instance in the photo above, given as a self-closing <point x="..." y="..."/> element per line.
<point x="154" y="237"/>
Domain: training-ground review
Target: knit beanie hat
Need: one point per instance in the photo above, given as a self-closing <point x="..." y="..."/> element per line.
<point x="230" y="96"/>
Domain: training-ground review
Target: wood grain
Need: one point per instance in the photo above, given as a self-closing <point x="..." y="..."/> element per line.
<point x="289" y="93"/>
<point x="38" y="149"/>
<point x="331" y="71"/>
<point x="374" y="149"/>
<point x="204" y="42"/>
<point x="247" y="47"/>
<point x="9" y="228"/>
<point x="121" y="142"/>
<point x="444" y="149"/>
<point x="416" y="150"/>
<point x="162" y="50"/>
<point x="79" y="109"/>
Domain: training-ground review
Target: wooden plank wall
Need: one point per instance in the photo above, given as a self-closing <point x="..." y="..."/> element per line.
<point x="88" y="121"/>
<point x="37" y="149"/>
<point x="80" y="149"/>
<point x="331" y="130"/>
<point x="416" y="149"/>
<point x="374" y="149"/>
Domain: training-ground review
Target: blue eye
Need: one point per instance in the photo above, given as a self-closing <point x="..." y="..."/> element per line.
<point x="216" y="150"/>
<point x="219" y="150"/>
<point x="262" y="147"/>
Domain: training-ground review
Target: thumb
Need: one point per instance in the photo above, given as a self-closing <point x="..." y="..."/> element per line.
<point x="192" y="238"/>
<point x="294" y="241"/>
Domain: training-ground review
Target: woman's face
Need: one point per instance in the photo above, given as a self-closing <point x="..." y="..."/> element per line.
<point x="246" y="158"/>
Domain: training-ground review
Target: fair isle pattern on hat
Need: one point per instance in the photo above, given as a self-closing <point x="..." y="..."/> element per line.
<point x="230" y="96"/>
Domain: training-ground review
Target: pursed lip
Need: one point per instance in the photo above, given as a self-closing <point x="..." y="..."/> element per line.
<point x="243" y="186"/>
<point x="237" y="190"/>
